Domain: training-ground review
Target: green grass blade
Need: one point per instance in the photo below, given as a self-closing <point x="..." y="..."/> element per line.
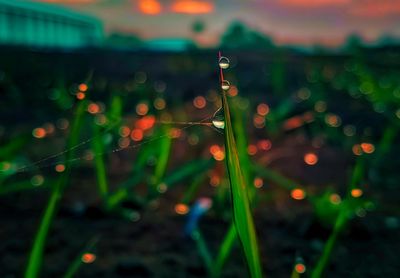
<point x="225" y="250"/>
<point x="275" y="177"/>
<point x="187" y="170"/>
<point x="9" y="149"/>
<point x="23" y="186"/>
<point x="203" y="249"/>
<point x="241" y="205"/>
<point x="164" y="149"/>
<point x="340" y="223"/>
<point x="36" y="255"/>
<point x="193" y="188"/>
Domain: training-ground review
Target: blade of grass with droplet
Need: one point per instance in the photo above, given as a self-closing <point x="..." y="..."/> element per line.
<point x="231" y="236"/>
<point x="241" y="206"/>
<point x="36" y="254"/>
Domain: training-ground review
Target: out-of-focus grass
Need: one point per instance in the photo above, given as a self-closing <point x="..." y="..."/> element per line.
<point x="190" y="193"/>
<point x="240" y="197"/>
<point x="203" y="249"/>
<point x="180" y="173"/>
<point x="36" y="254"/>
<point x="345" y="212"/>
<point x="23" y="185"/>
<point x="164" y="149"/>
<point x="11" y="148"/>
<point x="225" y="250"/>
<point x="100" y="167"/>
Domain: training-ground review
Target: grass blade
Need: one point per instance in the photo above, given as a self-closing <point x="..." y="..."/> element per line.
<point x="240" y="199"/>
<point x="340" y="223"/>
<point x="36" y="255"/>
<point x="225" y="250"/>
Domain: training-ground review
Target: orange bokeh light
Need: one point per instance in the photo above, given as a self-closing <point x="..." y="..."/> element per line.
<point x="335" y="199"/>
<point x="93" y="108"/>
<point x="258" y="182"/>
<point x="88" y="258"/>
<point x="83" y="87"/>
<point x="300" y="268"/>
<point x="39" y="132"/>
<point x="137" y="134"/>
<point x="264" y="144"/>
<point x="262" y="109"/>
<point x="357" y="149"/>
<point x="252" y="149"/>
<point x="192" y="7"/>
<point x="199" y="102"/>
<point x="146" y="122"/>
<point x="258" y="121"/>
<point x="124" y="131"/>
<point x="181" y="209"/>
<point x="175" y="133"/>
<point x="356" y="192"/>
<point x="215" y="180"/>
<point x="219" y="155"/>
<point x="159" y="103"/>
<point x="123" y="142"/>
<point x="142" y="109"/>
<point x="310" y="158"/>
<point x="233" y="91"/>
<point x="298" y="194"/>
<point x="367" y="147"/>
<point x="150" y="7"/>
<point x="293" y="123"/>
<point x="214" y="149"/>
<point x="80" y="95"/>
<point x="60" y="168"/>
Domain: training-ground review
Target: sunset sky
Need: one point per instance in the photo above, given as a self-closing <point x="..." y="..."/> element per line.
<point x="297" y="21"/>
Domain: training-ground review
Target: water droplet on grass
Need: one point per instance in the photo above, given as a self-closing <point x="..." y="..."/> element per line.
<point x="225" y="85"/>
<point x="223" y="63"/>
<point x="218" y="119"/>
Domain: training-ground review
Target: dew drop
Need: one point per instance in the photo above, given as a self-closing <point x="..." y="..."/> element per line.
<point x="225" y="85"/>
<point x="218" y="119"/>
<point x="223" y="63"/>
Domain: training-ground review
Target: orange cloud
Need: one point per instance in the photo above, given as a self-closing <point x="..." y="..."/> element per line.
<point x="376" y="8"/>
<point x="192" y="7"/>
<point x="150" y="7"/>
<point x="313" y="3"/>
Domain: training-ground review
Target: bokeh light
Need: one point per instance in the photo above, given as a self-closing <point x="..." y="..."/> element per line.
<point x="310" y="158"/>
<point x="298" y="194"/>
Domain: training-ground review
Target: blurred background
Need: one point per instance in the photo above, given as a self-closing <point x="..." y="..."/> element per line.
<point x="111" y="166"/>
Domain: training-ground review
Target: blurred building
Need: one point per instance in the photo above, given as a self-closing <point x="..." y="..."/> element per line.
<point x="36" y="24"/>
<point x="170" y="44"/>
